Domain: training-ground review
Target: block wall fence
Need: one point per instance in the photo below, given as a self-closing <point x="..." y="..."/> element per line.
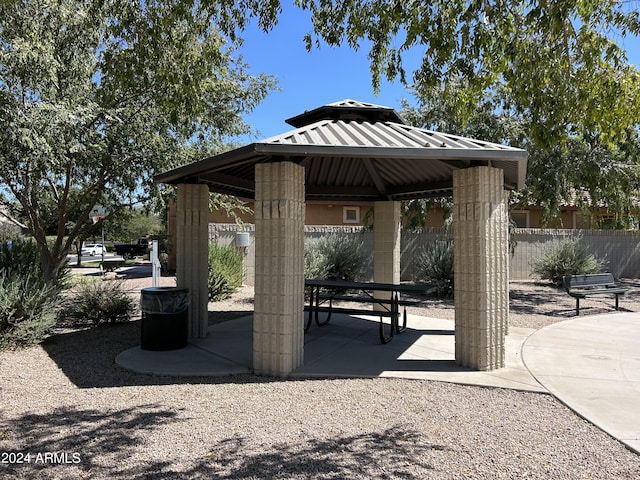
<point x="620" y="248"/>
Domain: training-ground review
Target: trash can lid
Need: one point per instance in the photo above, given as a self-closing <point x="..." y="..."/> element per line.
<point x="165" y="290"/>
<point x="164" y="299"/>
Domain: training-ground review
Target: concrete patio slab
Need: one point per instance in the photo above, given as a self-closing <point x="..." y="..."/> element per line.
<point x="347" y="347"/>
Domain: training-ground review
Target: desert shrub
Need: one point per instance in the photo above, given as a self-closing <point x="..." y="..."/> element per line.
<point x="22" y="256"/>
<point x="434" y="265"/>
<point x="225" y="271"/>
<point x="28" y="309"/>
<point x="28" y="306"/>
<point x="565" y="256"/>
<point x="334" y="257"/>
<point x="93" y="303"/>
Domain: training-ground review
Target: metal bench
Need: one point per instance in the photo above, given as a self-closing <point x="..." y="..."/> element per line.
<point x="583" y="286"/>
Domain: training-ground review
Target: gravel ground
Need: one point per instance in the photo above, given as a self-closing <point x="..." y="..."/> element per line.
<point x="67" y="411"/>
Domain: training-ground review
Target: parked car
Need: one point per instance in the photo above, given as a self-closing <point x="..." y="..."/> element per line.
<point x="93" y="249"/>
<point x="132" y="250"/>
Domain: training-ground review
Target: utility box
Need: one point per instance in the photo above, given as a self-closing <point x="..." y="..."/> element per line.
<point x="242" y="239"/>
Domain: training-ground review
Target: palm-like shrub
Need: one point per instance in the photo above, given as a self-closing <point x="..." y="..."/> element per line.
<point x="434" y="265"/>
<point x="565" y="256"/>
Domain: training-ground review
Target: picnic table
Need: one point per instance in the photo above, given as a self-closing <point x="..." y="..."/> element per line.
<point x="111" y="265"/>
<point x="323" y="294"/>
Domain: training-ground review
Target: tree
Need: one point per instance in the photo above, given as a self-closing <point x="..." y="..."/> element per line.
<point x="96" y="95"/>
<point x="132" y="225"/>
<point x="490" y="120"/>
<point x="583" y="170"/>
<point x="590" y="175"/>
<point x="560" y="61"/>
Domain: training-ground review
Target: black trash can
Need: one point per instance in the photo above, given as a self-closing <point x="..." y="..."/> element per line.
<point x="165" y="322"/>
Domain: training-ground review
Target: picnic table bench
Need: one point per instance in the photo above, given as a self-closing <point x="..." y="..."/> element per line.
<point x="323" y="293"/>
<point x="111" y="265"/>
<point x="583" y="286"/>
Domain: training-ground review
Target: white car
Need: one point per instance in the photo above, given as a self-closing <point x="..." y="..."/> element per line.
<point x="93" y="249"/>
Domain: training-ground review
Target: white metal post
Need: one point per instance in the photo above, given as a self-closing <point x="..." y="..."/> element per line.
<point x="155" y="264"/>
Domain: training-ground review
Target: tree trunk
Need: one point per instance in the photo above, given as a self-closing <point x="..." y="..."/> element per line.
<point x="50" y="269"/>
<point x="78" y="245"/>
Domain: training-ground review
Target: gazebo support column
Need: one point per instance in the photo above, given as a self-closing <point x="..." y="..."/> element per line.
<point x="386" y="244"/>
<point x="480" y="267"/>
<point x="192" y="246"/>
<point x="278" y="335"/>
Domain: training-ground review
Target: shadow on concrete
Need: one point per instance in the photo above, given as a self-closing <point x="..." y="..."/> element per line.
<point x="87" y="357"/>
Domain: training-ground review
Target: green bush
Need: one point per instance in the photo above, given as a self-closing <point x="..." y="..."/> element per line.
<point x="93" y="303"/>
<point x="434" y="264"/>
<point x="565" y="256"/>
<point x="28" y="306"/>
<point x="28" y="309"/>
<point x="24" y="256"/>
<point x="334" y="257"/>
<point x="225" y="271"/>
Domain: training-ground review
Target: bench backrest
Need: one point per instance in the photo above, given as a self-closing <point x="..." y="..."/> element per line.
<point x="585" y="281"/>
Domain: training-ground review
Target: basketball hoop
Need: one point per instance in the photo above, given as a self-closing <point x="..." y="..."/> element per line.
<point x="97" y="213"/>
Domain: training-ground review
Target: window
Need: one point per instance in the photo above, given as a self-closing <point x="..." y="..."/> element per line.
<point x="521" y="218"/>
<point x="351" y="214"/>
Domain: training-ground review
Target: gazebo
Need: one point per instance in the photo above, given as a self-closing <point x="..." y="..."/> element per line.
<point x="352" y="150"/>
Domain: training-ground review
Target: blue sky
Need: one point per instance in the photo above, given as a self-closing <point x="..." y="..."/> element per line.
<point x="307" y="79"/>
<point x="310" y="79"/>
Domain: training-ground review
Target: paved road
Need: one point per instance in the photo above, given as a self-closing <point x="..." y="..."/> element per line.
<point x="73" y="259"/>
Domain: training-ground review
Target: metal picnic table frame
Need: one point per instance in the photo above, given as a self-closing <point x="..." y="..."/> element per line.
<point x="326" y="291"/>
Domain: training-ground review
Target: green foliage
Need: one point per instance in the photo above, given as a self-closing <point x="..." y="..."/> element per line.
<point x="132" y="225"/>
<point x="23" y="258"/>
<point x="414" y="212"/>
<point x="583" y="170"/>
<point x="225" y="271"/>
<point x="434" y="264"/>
<point x="28" y="305"/>
<point x="28" y="309"/>
<point x="96" y="96"/>
<point x="93" y="303"/>
<point x="560" y="61"/>
<point x="565" y="256"/>
<point x="587" y="173"/>
<point x="334" y="257"/>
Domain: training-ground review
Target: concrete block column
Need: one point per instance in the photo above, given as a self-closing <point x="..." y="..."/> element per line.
<point x="386" y="245"/>
<point x="192" y="247"/>
<point x="481" y="289"/>
<point x="278" y="334"/>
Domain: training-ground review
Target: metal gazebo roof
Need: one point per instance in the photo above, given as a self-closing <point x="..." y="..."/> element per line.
<point x="356" y="151"/>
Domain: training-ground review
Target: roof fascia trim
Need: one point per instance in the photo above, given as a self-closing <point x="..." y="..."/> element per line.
<point x="208" y="164"/>
<point x="390" y="152"/>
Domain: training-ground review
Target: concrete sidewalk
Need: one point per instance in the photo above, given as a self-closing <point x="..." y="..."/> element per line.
<point x="592" y="364"/>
